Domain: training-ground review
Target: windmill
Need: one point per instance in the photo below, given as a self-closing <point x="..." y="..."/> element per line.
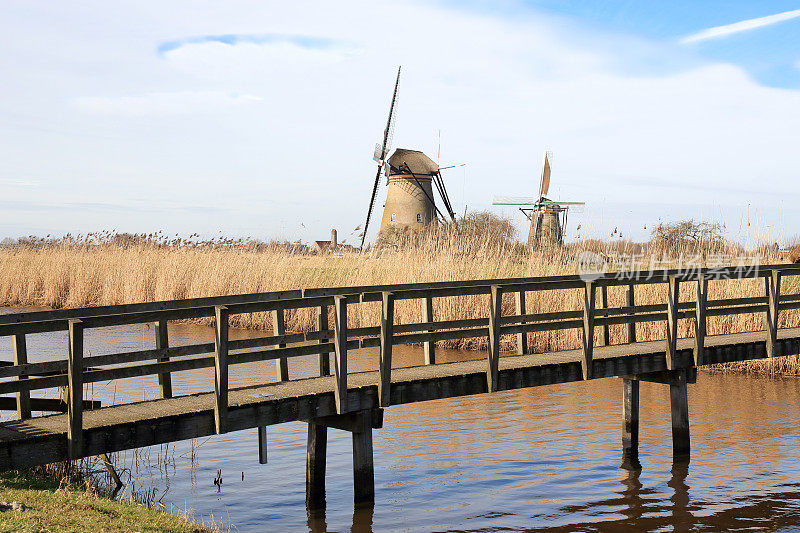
<point x="410" y="176"/>
<point x="548" y="217"/>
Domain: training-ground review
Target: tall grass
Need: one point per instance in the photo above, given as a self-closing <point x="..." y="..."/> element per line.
<point x="107" y="270"/>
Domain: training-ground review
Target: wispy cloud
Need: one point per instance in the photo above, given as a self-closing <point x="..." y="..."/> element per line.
<point x="171" y="103"/>
<point x="19" y="183"/>
<point x="300" y="41"/>
<point x="718" y="32"/>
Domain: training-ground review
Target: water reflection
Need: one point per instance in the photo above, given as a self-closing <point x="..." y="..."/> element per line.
<point x="682" y="518"/>
<point x="632" y="496"/>
<point x="362" y="520"/>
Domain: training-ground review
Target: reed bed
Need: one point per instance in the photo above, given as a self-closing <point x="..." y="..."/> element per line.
<point x="108" y="271"/>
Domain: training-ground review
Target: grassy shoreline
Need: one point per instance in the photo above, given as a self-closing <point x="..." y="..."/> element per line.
<point x="54" y="505"/>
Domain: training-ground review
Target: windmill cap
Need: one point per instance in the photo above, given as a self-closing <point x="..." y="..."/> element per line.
<point x="419" y="163"/>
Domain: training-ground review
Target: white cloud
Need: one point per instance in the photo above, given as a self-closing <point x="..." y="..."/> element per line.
<point x="246" y="60"/>
<point x="744" y="25"/>
<point x="501" y="90"/>
<point x="164" y="103"/>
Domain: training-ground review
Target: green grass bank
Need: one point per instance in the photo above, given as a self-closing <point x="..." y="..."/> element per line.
<point x="55" y="506"/>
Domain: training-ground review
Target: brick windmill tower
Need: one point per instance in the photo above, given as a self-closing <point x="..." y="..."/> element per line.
<point x="409" y="201"/>
<point x="411" y="177"/>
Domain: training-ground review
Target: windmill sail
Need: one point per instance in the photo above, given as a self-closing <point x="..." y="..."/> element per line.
<point x="381" y="149"/>
<point x="544" y="183"/>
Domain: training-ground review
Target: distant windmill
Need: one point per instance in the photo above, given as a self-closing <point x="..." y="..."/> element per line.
<point x="410" y="175"/>
<point x="548" y="217"/>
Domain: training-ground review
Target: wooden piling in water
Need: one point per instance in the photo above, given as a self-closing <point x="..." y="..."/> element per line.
<point x="316" y="451"/>
<point x="679" y="404"/>
<point x="262" y="445"/>
<point x="630" y="424"/>
<point x="360" y="425"/>
<point x="363" y="468"/>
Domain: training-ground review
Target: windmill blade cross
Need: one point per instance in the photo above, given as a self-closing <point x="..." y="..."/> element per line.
<point x="452" y="166"/>
<point x="383" y="148"/>
<point x="575" y="207"/>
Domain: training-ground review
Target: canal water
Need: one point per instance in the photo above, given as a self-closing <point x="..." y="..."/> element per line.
<point x="539" y="459"/>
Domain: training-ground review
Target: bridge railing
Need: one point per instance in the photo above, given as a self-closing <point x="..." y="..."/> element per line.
<point x="78" y="370"/>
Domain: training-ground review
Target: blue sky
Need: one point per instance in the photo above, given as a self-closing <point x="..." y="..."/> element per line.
<point x="259" y="118"/>
<point x="769" y="54"/>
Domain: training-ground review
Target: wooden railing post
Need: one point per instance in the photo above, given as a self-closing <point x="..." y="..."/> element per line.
<point x="588" y="328"/>
<point x="75" y="388"/>
<point x="279" y="328"/>
<point x="772" y="284"/>
<point x="700" y="320"/>
<point x="522" y="338"/>
<point x="385" y="368"/>
<point x="322" y="325"/>
<point x="20" y="351"/>
<point x="604" y="305"/>
<point x="340" y="345"/>
<point x="673" y="297"/>
<point x="162" y="343"/>
<point x="495" y="315"/>
<point x="429" y="346"/>
<point x="221" y="368"/>
<point x="630" y="301"/>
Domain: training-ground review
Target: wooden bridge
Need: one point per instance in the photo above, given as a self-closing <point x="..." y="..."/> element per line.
<point x="353" y="401"/>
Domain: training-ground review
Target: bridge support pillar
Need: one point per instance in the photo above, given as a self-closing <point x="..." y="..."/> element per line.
<point x="679" y="409"/>
<point x="679" y="404"/>
<point x="630" y="424"/>
<point x="360" y="424"/>
<point x="363" y="468"/>
<point x="316" y="453"/>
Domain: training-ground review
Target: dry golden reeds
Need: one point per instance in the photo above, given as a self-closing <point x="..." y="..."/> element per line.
<point x="107" y="269"/>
